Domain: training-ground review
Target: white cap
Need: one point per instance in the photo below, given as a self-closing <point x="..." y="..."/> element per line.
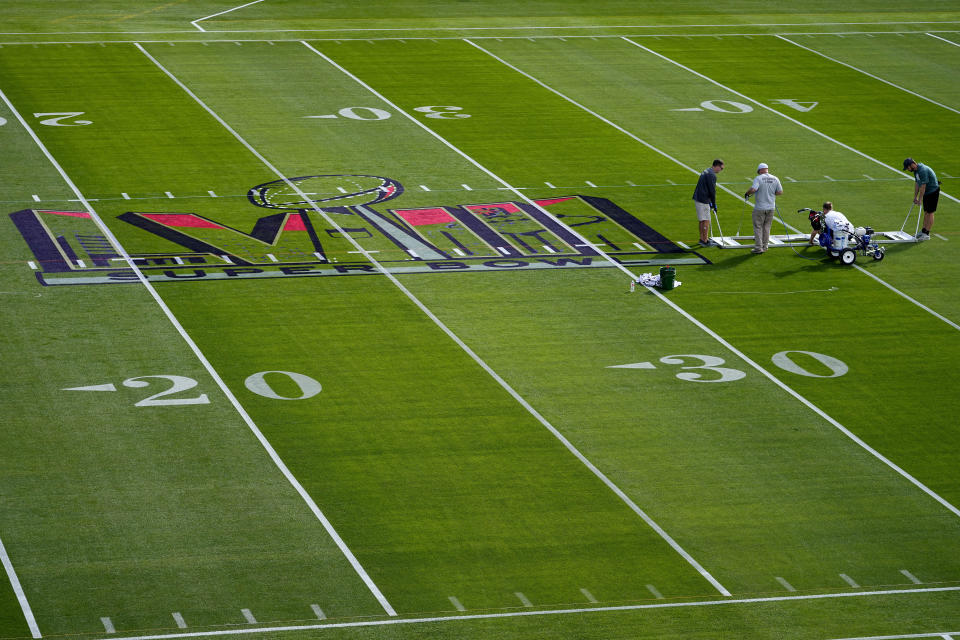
<point x="762" y="165"/>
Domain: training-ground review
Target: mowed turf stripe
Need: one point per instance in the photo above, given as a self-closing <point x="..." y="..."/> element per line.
<point x="296" y="551"/>
<point x="483" y="365"/>
<point x="456" y="79"/>
<point x="819" y="151"/>
<point x="503" y="383"/>
<point x="707" y="330"/>
<point x="868" y="74"/>
<point x="852" y="115"/>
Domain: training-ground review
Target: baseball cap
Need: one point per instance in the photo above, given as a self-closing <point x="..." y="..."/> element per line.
<point x="762" y="165"/>
<point x="907" y="163"/>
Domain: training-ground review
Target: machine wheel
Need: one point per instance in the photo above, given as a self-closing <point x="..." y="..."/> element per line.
<point x="848" y="256"/>
<point x="878" y="255"/>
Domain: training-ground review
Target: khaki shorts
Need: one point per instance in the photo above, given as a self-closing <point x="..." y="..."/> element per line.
<point x="703" y="211"/>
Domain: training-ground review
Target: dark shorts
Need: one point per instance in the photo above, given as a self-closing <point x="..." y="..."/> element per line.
<point x="930" y="201"/>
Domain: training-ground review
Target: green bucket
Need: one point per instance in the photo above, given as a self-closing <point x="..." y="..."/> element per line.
<point x="667" y="277"/>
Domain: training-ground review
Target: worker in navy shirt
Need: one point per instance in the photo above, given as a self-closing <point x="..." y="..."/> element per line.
<point x="705" y="199"/>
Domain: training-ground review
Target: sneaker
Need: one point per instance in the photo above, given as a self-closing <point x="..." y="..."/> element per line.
<point x="922" y="236"/>
<point x="755" y="250"/>
<point x="705" y="243"/>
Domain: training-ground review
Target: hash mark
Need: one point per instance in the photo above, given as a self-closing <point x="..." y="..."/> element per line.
<point x="786" y="585"/>
<point x="456" y="603"/>
<point x="523" y="599"/>
<point x="589" y="596"/>
<point x="912" y="578"/>
<point x="656" y="592"/>
<point x="248" y="616"/>
<point x="850" y="581"/>
<point x="181" y="623"/>
<point x="318" y="612"/>
<point x="108" y="625"/>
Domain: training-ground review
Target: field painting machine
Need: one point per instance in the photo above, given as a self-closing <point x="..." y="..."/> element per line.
<point x="845" y="242"/>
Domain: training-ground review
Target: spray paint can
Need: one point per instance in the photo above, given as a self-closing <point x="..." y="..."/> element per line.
<point x="633" y="286"/>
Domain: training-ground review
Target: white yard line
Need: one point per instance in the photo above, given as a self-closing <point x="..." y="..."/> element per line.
<point x="555" y="612"/>
<point x="868" y="74"/>
<point x="716" y="336"/>
<point x="908" y="636"/>
<point x="879" y="456"/>
<point x="203" y="360"/>
<point x="136" y="35"/>
<point x="944" y="40"/>
<point x="691" y="169"/>
<point x="476" y="358"/>
<point x="821" y="134"/>
<point x="357" y="567"/>
<point x="12" y="574"/>
<point x="194" y="22"/>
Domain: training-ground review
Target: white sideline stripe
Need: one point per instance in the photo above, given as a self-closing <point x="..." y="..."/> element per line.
<point x="194" y="22"/>
<point x="348" y="554"/>
<point x="554" y="612"/>
<point x="12" y="574"/>
<point x="476" y="358"/>
<point x="272" y="39"/>
<point x="946" y="636"/>
<point x="850" y="66"/>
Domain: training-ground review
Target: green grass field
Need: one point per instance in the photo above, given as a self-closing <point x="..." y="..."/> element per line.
<point x="317" y="321"/>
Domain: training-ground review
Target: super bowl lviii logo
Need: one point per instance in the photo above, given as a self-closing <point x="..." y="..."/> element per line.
<point x="329" y="225"/>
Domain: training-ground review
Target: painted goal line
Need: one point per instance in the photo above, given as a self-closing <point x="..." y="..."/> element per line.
<point x="727" y="602"/>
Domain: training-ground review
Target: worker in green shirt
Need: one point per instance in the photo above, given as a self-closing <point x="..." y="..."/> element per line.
<point x="926" y="189"/>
